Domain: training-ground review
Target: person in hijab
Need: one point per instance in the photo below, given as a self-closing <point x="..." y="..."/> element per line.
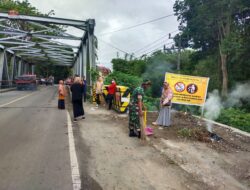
<point x="99" y="90"/>
<point x="165" y="103"/>
<point x="135" y="109"/>
<point x="76" y="90"/>
<point x="61" y="95"/>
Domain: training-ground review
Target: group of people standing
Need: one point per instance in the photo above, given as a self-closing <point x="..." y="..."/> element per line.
<point x="99" y="92"/>
<point x="78" y="90"/>
<point x="136" y="107"/>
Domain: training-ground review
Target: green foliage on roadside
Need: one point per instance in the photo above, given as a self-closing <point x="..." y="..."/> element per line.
<point x="151" y="104"/>
<point x="123" y="79"/>
<point x="94" y="74"/>
<point x="157" y="65"/>
<point x="185" y="132"/>
<point x="133" y="67"/>
<point x="236" y="118"/>
<point x="59" y="73"/>
<point x="208" y="68"/>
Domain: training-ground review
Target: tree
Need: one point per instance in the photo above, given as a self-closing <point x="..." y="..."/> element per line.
<point x="124" y="79"/>
<point x="59" y="72"/>
<point x="209" y="26"/>
<point x="157" y="65"/>
<point x="25" y="8"/>
<point x="132" y="67"/>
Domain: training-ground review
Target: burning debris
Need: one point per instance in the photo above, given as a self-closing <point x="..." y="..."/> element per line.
<point x="215" y="137"/>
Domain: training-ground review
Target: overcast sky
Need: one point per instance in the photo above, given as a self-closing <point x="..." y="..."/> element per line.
<point x="112" y="15"/>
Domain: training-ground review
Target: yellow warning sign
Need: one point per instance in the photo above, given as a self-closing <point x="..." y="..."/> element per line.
<point x="190" y="90"/>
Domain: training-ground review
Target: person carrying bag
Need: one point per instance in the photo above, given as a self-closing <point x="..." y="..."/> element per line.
<point x="165" y="103"/>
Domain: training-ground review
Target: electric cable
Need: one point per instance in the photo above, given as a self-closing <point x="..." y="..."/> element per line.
<point x="111" y="45"/>
<point x="134" y="26"/>
<point x="151" y="43"/>
<point x="154" y="49"/>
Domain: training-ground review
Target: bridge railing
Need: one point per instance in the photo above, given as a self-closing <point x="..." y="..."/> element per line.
<point x="5" y="84"/>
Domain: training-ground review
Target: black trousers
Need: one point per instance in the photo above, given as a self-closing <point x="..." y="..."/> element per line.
<point x="84" y="96"/>
<point x="78" y="108"/>
<point x="98" y="101"/>
<point x="110" y="99"/>
<point x="61" y="104"/>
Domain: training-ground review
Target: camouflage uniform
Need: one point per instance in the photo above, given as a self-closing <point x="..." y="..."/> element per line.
<point x="134" y="118"/>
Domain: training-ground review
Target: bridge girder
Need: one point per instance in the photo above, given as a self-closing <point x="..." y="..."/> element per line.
<point x="45" y="43"/>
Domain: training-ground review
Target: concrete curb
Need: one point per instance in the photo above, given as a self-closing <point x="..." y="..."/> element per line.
<point x="7" y="89"/>
<point x="225" y="126"/>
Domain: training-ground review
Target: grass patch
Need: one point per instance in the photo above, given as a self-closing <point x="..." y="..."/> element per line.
<point x="236" y="118"/>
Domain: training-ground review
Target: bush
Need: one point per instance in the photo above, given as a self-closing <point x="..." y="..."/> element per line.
<point x="236" y="118"/>
<point x="123" y="79"/>
<point x="133" y="67"/>
<point x="152" y="104"/>
<point x="185" y="132"/>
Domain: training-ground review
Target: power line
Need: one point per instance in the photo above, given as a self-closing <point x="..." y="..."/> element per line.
<point x="156" y="45"/>
<point x="153" y="46"/>
<point x="140" y="24"/>
<point x="151" y="43"/>
<point x="155" y="49"/>
<point x="111" y="45"/>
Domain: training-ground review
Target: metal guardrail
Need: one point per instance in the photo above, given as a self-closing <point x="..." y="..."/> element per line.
<point x="7" y="84"/>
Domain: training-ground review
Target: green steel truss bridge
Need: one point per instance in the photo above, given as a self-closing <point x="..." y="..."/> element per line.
<point x="26" y="41"/>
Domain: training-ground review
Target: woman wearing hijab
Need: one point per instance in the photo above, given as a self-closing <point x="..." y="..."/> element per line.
<point x="76" y="90"/>
<point x="98" y="90"/>
<point x="61" y="95"/>
<point x="165" y="103"/>
<point x="135" y="109"/>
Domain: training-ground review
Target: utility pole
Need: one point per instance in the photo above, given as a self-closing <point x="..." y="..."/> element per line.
<point x="179" y="51"/>
<point x="179" y="54"/>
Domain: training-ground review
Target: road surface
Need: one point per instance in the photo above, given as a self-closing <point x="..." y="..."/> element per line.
<point x="38" y="150"/>
<point x="34" y="146"/>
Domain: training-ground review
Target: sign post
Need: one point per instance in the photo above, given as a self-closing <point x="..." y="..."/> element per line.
<point x="188" y="90"/>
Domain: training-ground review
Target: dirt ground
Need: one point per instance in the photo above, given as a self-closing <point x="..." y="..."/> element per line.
<point x="180" y="157"/>
<point x="223" y="164"/>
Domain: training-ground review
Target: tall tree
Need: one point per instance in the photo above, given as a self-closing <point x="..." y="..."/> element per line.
<point x="209" y="26"/>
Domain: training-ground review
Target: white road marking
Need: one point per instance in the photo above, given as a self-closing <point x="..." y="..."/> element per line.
<point x="15" y="100"/>
<point x="76" y="180"/>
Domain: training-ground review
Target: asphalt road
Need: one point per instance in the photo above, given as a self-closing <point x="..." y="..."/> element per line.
<point x="34" y="145"/>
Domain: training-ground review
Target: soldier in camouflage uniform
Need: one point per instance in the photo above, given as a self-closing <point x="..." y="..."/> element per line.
<point x="135" y="109"/>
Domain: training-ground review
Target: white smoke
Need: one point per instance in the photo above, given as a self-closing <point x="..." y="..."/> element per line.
<point x="214" y="103"/>
<point x="241" y="92"/>
<point x="212" y="108"/>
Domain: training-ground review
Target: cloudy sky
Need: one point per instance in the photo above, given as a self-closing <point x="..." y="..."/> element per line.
<point x="113" y="15"/>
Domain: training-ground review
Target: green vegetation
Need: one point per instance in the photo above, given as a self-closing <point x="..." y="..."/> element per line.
<point x="219" y="31"/>
<point x="133" y="67"/>
<point x="59" y="73"/>
<point x="236" y="118"/>
<point x="217" y="34"/>
<point x="94" y="74"/>
<point x="23" y="7"/>
<point x="185" y="132"/>
<point x="124" y="79"/>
